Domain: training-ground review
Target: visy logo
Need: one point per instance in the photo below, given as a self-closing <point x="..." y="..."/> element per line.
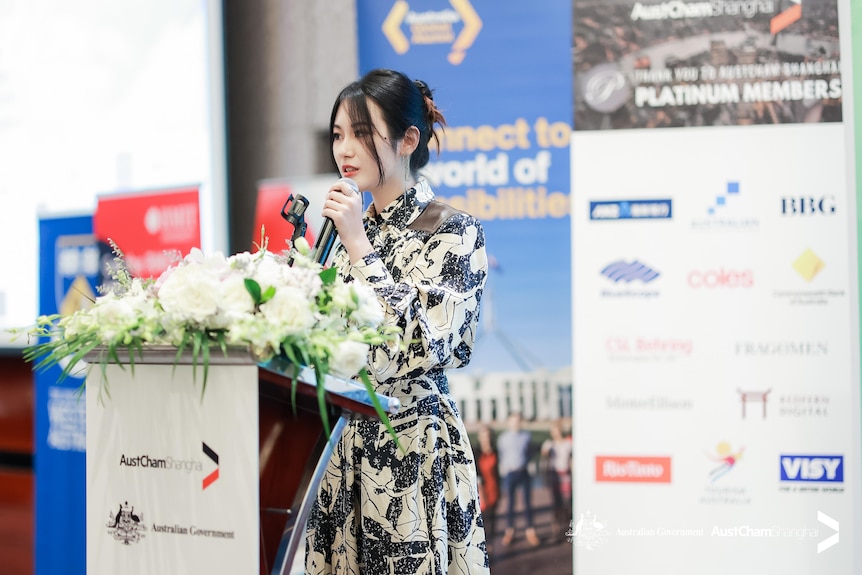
<point x="819" y="468"/>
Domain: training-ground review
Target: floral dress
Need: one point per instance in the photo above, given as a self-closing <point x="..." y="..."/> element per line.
<point x="380" y="509"/>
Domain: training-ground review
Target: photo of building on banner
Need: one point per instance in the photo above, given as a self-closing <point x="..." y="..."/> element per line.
<point x="722" y="63"/>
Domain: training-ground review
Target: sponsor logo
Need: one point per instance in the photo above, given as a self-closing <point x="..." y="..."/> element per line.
<point x="724" y="212"/>
<point x="808" y="265"/>
<point x="209" y="479"/>
<point x="622" y="271"/>
<point x="721" y="278"/>
<point x="807" y="205"/>
<point x="154" y="462"/>
<point x="812" y="468"/>
<point x="747" y="397"/>
<point x="605" y="88"/>
<point x="724" y="459"/>
<point x="433" y="27"/>
<point x="631" y="210"/>
<point x="622" y="348"/>
<point x="621" y="469"/>
<point x="803" y="405"/>
<point x="125" y="525"/>
<point x="588" y="533"/>
<point x="781" y="348"/>
<point x="678" y="9"/>
<point x="649" y="403"/>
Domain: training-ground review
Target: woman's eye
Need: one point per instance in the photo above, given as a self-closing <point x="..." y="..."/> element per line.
<point x="336" y="136"/>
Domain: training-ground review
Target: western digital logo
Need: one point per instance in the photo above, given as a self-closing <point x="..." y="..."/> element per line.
<point x="627" y="272"/>
<point x="631" y="210"/>
<point x="819" y="468"/>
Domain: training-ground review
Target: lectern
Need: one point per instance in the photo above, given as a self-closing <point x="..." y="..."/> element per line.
<point x="193" y="472"/>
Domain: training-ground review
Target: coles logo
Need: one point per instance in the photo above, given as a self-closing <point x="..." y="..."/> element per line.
<point x="632" y="469"/>
<point x="720" y="278"/>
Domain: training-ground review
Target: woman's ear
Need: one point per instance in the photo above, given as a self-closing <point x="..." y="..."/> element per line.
<point x="410" y="141"/>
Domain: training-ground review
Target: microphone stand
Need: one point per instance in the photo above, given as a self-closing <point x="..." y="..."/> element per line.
<point x="295" y="216"/>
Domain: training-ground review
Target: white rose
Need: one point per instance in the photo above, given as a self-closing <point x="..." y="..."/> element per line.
<point x="348" y="357"/>
<point x="289" y="310"/>
<point x="190" y="293"/>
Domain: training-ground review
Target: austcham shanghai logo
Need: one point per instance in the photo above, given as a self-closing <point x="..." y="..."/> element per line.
<point x="175" y="464"/>
<point x="457" y="27"/>
<point x="125" y="525"/>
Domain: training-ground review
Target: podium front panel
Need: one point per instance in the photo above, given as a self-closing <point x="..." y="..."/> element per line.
<point x="172" y="469"/>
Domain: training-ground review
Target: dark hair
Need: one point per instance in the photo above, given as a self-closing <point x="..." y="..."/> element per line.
<point x="403" y="103"/>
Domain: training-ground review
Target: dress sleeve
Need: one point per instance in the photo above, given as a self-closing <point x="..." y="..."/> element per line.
<point x="433" y="295"/>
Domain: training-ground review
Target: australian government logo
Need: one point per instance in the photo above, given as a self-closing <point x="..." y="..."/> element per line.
<point x="127" y="526"/>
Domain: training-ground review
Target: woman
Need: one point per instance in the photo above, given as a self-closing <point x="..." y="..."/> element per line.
<point x="381" y="509"/>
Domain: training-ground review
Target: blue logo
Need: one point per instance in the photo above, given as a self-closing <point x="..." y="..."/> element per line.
<point x="632" y="210"/>
<point x="720" y="201"/>
<point x="627" y="272"/>
<point x="812" y="468"/>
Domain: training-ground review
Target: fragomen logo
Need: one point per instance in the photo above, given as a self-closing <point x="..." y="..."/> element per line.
<point x="631" y="210"/>
<point x="632" y="469"/>
<point x="433" y="27"/>
<point x="627" y="272"/>
<point x="813" y="468"/>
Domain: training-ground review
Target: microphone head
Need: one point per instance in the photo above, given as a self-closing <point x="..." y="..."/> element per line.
<point x="353" y="185"/>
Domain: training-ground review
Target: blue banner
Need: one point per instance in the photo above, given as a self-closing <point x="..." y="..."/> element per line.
<point x="69" y="273"/>
<point x="501" y="74"/>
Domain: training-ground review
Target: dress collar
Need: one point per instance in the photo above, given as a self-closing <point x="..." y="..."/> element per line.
<point x="401" y="212"/>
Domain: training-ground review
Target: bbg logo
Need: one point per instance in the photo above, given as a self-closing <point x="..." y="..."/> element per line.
<point x="807" y="205"/>
<point x="812" y="468"/>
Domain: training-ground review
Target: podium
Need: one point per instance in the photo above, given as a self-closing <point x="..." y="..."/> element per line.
<point x="184" y="477"/>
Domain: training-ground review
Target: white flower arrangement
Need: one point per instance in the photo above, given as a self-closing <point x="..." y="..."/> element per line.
<point x="274" y="305"/>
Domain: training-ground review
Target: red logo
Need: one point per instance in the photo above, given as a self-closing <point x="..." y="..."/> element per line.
<point x="633" y="469"/>
<point x="721" y="278"/>
<point x="784" y="19"/>
<point x="210" y="479"/>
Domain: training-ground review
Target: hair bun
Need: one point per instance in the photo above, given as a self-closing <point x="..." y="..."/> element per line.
<point x="424" y="89"/>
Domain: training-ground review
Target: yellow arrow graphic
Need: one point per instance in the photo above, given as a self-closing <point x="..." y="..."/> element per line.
<point x="472" y="25"/>
<point x="392" y="27"/>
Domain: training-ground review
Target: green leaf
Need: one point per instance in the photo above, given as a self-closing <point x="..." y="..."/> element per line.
<point x="253" y="289"/>
<point x="328" y="276"/>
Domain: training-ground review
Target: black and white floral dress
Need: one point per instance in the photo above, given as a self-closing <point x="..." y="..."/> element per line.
<point x="381" y="510"/>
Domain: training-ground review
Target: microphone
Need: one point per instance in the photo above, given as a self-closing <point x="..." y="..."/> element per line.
<point x="328" y="233"/>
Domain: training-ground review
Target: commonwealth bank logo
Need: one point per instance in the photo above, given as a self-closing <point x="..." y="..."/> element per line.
<point x="808" y="265"/>
<point x="627" y="272"/>
<point x="457" y="27"/>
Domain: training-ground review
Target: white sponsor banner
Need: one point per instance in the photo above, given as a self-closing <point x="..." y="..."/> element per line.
<point x="172" y="469"/>
<point x="713" y="345"/>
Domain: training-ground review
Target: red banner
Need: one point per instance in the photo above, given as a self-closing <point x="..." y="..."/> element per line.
<point x="150" y="227"/>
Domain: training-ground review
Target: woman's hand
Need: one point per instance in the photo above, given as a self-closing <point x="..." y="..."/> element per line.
<point x="344" y="207"/>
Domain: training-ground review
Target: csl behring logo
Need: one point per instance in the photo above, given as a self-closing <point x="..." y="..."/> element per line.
<point x="812" y="468"/>
<point x="433" y="27"/>
<point x="631" y="210"/>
